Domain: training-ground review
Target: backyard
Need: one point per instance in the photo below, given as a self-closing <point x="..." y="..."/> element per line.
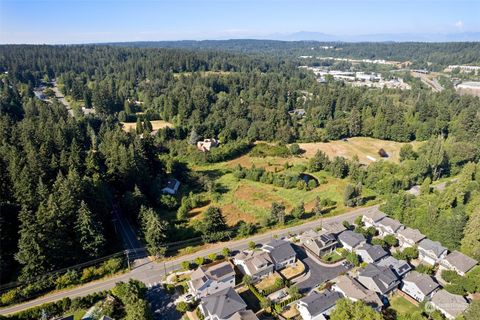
<point x="402" y="306"/>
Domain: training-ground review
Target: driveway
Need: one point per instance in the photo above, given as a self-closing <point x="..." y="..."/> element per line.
<point x="316" y="273"/>
<point x="161" y="304"/>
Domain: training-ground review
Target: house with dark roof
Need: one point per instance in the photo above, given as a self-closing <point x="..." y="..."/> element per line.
<point x="388" y="226"/>
<point x="244" y="315"/>
<point x="371" y="254"/>
<point x="419" y="286"/>
<point x="351" y="240"/>
<point x="372" y="216"/>
<point x="431" y="252"/>
<point x="222" y="305"/>
<point x="171" y="187"/>
<point x="379" y="279"/>
<point x="256" y="264"/>
<point x="209" y="280"/>
<point x="354" y="290"/>
<point x="458" y="262"/>
<point x="319" y="243"/>
<point x="450" y="305"/>
<point x="399" y="267"/>
<point x="281" y="252"/>
<point x="409" y="237"/>
<point x="317" y="306"/>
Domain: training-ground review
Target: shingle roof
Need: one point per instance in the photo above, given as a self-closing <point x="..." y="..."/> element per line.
<point x="354" y="290"/>
<point x="434" y="246"/>
<point x="451" y="303"/>
<point x="317" y="303"/>
<point x="280" y="250"/>
<point x="215" y="272"/>
<point x="244" y="315"/>
<point x="375" y="252"/>
<point x="424" y="282"/>
<point x="383" y="277"/>
<point x="375" y="214"/>
<point x="334" y="227"/>
<point x="411" y="234"/>
<point x="389" y="222"/>
<point x="460" y="261"/>
<point x="400" y="267"/>
<point x="351" y="238"/>
<point x="224" y="303"/>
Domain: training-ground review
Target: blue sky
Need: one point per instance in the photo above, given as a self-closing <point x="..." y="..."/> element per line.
<point x="81" y="21"/>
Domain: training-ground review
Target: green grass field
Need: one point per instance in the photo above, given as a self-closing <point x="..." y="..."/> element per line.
<point x="402" y="306"/>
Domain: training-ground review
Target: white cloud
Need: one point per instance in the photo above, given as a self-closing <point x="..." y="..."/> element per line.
<point x="459" y="24"/>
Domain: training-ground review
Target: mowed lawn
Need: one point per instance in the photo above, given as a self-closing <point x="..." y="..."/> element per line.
<point x="365" y="148"/>
<point x="402" y="306"/>
<point x="156" y="124"/>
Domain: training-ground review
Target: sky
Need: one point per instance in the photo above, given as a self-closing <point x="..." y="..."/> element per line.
<point x="87" y="21"/>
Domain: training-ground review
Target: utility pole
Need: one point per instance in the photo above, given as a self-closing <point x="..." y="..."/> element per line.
<point x="128" y="260"/>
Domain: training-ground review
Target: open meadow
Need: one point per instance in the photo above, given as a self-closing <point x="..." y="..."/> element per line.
<point x="156" y="124"/>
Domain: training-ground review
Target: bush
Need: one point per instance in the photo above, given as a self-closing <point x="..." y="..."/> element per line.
<point x="183" y="307"/>
<point x="423" y="268"/>
<point x="295" y="149"/>
<point x="312" y="184"/>
<point x="88" y="274"/>
<point x="67" y="279"/>
<point x="450" y="276"/>
<point x="226" y="252"/>
<point x="167" y="201"/>
<point x="199" y="261"/>
<point x="10" y="297"/>
<point x="185" y="265"/>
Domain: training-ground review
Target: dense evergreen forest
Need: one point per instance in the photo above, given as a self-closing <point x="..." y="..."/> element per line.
<point x="61" y="173"/>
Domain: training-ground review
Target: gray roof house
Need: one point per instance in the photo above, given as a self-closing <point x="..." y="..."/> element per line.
<point x="388" y="226"/>
<point x="334" y="227"/>
<point x="208" y="280"/>
<point x="317" y="306"/>
<point x="281" y="252"/>
<point x="351" y="240"/>
<point x="355" y="291"/>
<point x="379" y="279"/>
<point x="371" y="254"/>
<point x="222" y="305"/>
<point x="450" y="305"/>
<point x="372" y="217"/>
<point x="256" y="264"/>
<point x="244" y="315"/>
<point x="399" y="267"/>
<point x="458" y="262"/>
<point x="409" y="237"/>
<point x="419" y="286"/>
<point x="431" y="252"/>
<point x="318" y="243"/>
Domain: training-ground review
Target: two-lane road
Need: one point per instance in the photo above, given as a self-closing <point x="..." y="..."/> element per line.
<point x="152" y="273"/>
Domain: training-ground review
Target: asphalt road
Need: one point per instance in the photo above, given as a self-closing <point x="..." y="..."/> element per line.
<point x="151" y="273"/>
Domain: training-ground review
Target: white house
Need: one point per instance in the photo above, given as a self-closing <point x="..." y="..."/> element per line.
<point x="388" y="226"/>
<point x="351" y="240"/>
<point x="371" y="218"/>
<point x="450" y="305"/>
<point x="409" y="237"/>
<point x="225" y="305"/>
<point x="206" y="281"/>
<point x="317" y="306"/>
<point x="256" y="264"/>
<point x="458" y="262"/>
<point x="281" y="252"/>
<point x="419" y="286"/>
<point x="371" y="254"/>
<point x="431" y="252"/>
<point x="207" y="144"/>
<point x="354" y="290"/>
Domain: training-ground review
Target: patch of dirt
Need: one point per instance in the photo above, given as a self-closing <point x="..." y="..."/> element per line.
<point x="233" y="215"/>
<point x="156" y="124"/>
<point x="257" y="196"/>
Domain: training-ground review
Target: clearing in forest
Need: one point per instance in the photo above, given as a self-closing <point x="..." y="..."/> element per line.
<point x="156" y="124"/>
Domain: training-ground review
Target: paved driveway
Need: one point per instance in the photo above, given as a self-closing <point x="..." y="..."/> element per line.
<point x="316" y="273"/>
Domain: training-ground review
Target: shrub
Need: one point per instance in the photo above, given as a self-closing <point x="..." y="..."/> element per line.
<point x="312" y="184"/>
<point x="450" y="276"/>
<point x="252" y="245"/>
<point x="67" y="279"/>
<point x="185" y="265"/>
<point x="226" y="252"/>
<point x="423" y="268"/>
<point x="183" y="307"/>
<point x="88" y="274"/>
<point x="295" y="149"/>
<point x="199" y="261"/>
<point x="10" y="297"/>
<point x="212" y="256"/>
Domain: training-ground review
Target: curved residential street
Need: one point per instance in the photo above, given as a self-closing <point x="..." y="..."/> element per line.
<point x="151" y="273"/>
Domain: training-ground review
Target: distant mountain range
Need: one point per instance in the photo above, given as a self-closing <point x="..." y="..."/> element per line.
<point x="381" y="37"/>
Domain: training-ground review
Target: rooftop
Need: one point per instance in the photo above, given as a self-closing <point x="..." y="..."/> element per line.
<point x="317" y="303"/>
<point x="411" y="234"/>
<point x="383" y="277"/>
<point x="351" y="238"/>
<point x="280" y="250"/>
<point x="355" y="290"/>
<point x="460" y="261"/>
<point x="389" y="222"/>
<point x="451" y="303"/>
<point x="375" y="252"/>
<point x="375" y="214"/>
<point x="424" y="282"/>
<point x="215" y="272"/>
<point x="224" y="303"/>
<point x="434" y="246"/>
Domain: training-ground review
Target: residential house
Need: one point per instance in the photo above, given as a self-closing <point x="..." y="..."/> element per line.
<point x="354" y="290"/>
<point x="351" y="240"/>
<point x="318" y="243"/>
<point x="450" y="305"/>
<point x="419" y="286"/>
<point x="207" y="144"/>
<point x="379" y="279"/>
<point x="172" y="186"/>
<point x="372" y="217"/>
<point x="388" y="226"/>
<point x="371" y="254"/>
<point x="244" y="315"/>
<point x="223" y="305"/>
<point x="317" y="306"/>
<point x="399" y="267"/>
<point x="209" y="280"/>
<point x="281" y="252"/>
<point x="256" y="264"/>
<point x="334" y="227"/>
<point x="431" y="252"/>
<point x="458" y="262"/>
<point x="409" y="237"/>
